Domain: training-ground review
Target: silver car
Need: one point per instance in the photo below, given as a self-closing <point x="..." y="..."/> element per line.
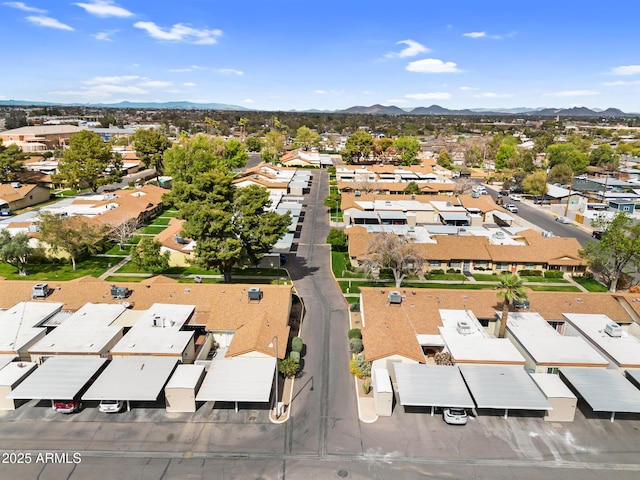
<point x="455" y="416"/>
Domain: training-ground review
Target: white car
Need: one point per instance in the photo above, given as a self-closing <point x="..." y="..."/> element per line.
<point x="111" y="406"/>
<point x="455" y="416"/>
<point x="516" y="198"/>
<point x="511" y="207"/>
<point x="563" y="220"/>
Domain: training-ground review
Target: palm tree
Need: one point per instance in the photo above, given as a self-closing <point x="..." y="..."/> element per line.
<point x="511" y="288"/>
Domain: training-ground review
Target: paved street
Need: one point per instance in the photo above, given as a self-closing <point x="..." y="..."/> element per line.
<point x="323" y="437"/>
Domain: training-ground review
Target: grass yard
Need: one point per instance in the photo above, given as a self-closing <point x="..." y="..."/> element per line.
<point x="94" y="266"/>
<point x="591" y="284"/>
<point x="458" y="277"/>
<point x="170" y="213"/>
<point x="115" y="250"/>
<point x="553" y="288"/>
<point x="152" y="229"/>
<point x="123" y="278"/>
<point x="339" y="262"/>
<point x="544" y="280"/>
<point x="485" y="277"/>
<point x="450" y="286"/>
<point x="161" y="221"/>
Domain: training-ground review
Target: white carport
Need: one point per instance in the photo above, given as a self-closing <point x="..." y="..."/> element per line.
<point x="434" y="386"/>
<point x="237" y="380"/>
<point x="138" y="378"/>
<point x="605" y="390"/>
<point x="633" y="374"/>
<point x="503" y="387"/>
<point x="6" y="360"/>
<point x="10" y="377"/>
<point x="58" y="378"/>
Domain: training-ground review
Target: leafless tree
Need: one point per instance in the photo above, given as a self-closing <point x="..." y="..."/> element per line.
<point x="463" y="186"/>
<point x="387" y="251"/>
<point x="123" y="231"/>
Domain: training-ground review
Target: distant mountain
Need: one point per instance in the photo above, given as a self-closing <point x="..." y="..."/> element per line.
<point x="375" y="110"/>
<point x="579" y="112"/>
<point x="504" y="110"/>
<point x="438" y="110"/>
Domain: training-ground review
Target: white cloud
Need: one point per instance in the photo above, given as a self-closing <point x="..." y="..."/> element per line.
<point x="413" y="48"/>
<point x="320" y="92"/>
<point x="429" y="96"/>
<point x="154" y="84"/>
<point x="180" y="33"/>
<point x="189" y="84"/>
<point x="43" y="21"/>
<point x="113" y="79"/>
<point x="248" y="100"/>
<point x="493" y="95"/>
<point x="626" y="70"/>
<point x="23" y="7"/>
<point x="475" y="34"/>
<point x="467" y="89"/>
<point x="621" y="83"/>
<point x="180" y="70"/>
<point x="572" y="93"/>
<point x="104" y="8"/>
<point x="230" y="71"/>
<point x="105" y="36"/>
<point x="432" y="65"/>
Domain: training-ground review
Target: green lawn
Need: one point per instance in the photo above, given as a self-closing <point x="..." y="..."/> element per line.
<point x="170" y="213"/>
<point x="486" y="277"/>
<point x="161" y="221"/>
<point x="351" y="300"/>
<point x="450" y="286"/>
<point x="115" y="250"/>
<point x="339" y="263"/>
<point x="591" y="284"/>
<point x="544" y="280"/>
<point x="152" y="229"/>
<point x="553" y="288"/>
<point x="94" y="266"/>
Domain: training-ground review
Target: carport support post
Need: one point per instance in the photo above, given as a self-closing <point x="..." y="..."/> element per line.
<point x="506" y="413"/>
<point x="236" y="407"/>
<point x="613" y="416"/>
<point x="432" y="410"/>
<point x="128" y="406"/>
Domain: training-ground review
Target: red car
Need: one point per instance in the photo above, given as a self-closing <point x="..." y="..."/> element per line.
<point x="67" y="406"/>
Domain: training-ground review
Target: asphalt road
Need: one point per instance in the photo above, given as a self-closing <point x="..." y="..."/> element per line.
<point x="545" y="220"/>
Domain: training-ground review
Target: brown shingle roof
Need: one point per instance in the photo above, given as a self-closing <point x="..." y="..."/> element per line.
<point x="224" y="306"/>
<point x="257" y="334"/>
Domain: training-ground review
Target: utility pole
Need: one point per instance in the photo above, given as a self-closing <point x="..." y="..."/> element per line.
<point x="566" y="207"/>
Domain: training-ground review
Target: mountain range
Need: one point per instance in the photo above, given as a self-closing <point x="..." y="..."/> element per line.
<point x="371" y="110"/>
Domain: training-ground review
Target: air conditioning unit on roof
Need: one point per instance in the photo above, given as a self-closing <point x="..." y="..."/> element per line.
<point x="613" y="330"/>
<point x="395" y="297"/>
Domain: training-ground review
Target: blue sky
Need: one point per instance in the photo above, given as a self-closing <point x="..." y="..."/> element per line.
<point x="303" y="54"/>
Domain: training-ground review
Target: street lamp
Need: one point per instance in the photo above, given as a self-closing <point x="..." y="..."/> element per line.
<point x="277" y="410"/>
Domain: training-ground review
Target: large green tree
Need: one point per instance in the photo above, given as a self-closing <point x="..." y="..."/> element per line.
<point x="407" y="149"/>
<point x="306" y="138"/>
<point x="511" y="288"/>
<point x="569" y="154"/>
<point x="273" y="146"/>
<point x="617" y="252"/>
<point x="15" y="249"/>
<point x="504" y="156"/>
<point x="561" y="174"/>
<point x="535" y="183"/>
<point x="89" y="163"/>
<point x="150" y="146"/>
<point x="148" y="257"/>
<point x="72" y="235"/>
<point x="605" y="157"/>
<point x="357" y="147"/>
<point x="11" y="159"/>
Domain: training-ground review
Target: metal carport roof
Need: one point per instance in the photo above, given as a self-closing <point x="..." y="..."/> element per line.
<point x="503" y="387"/>
<point x="438" y="386"/>
<point x="135" y="378"/>
<point x="603" y="389"/>
<point x="6" y="360"/>
<point x="634" y="375"/>
<point x="58" y="378"/>
<point x="238" y="380"/>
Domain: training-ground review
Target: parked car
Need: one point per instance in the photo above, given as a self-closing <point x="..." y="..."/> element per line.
<point x="563" y="220"/>
<point x="511" y="207"/>
<point x="524" y="303"/>
<point x="67" y="406"/>
<point x="283" y="259"/>
<point x="455" y="416"/>
<point x="597" y="234"/>
<point x="516" y="198"/>
<point x="111" y="406"/>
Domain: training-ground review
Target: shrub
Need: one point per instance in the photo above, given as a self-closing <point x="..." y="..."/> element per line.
<point x="354" y="307"/>
<point x="359" y="366"/>
<point x="366" y="386"/>
<point x="355" y="345"/>
<point x="338" y="240"/>
<point x="295" y="356"/>
<point x="453" y="270"/>
<point x="553" y="274"/>
<point x="296" y="344"/>
<point x="437" y="271"/>
<point x="288" y="367"/>
<point x="530" y="273"/>
<point x="354" y="333"/>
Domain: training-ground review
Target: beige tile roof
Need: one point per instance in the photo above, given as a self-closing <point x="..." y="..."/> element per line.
<point x="257" y="334"/>
<point x="426" y="188"/>
<point x="222" y="306"/>
<point x="11" y="194"/>
<point x="167" y="237"/>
